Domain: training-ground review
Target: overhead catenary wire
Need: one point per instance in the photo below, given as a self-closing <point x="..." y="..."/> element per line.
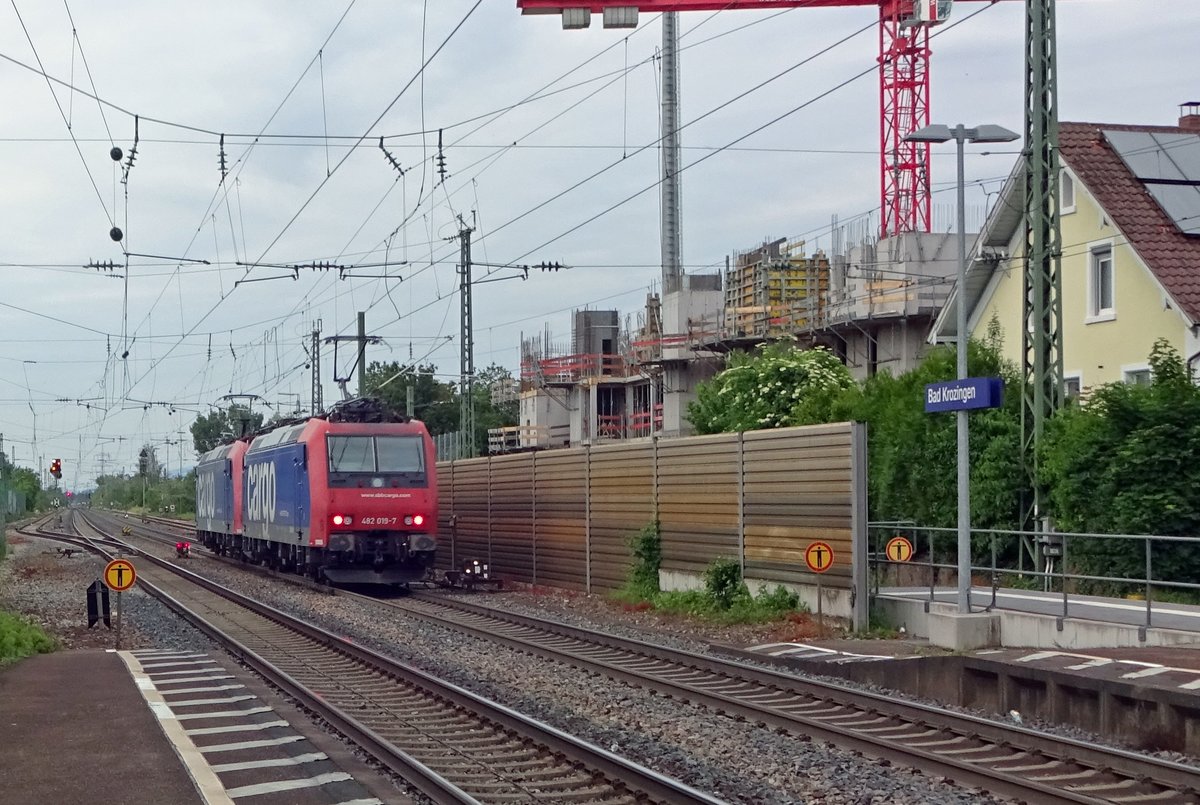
<point x="386" y="246"/>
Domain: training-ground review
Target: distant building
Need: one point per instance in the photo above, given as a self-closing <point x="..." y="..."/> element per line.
<point x="504" y="390"/>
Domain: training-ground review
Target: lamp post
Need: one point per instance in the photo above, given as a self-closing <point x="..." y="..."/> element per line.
<point x="961" y="135"/>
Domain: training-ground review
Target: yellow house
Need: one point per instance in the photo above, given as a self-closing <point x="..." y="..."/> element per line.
<point x="1130" y="211"/>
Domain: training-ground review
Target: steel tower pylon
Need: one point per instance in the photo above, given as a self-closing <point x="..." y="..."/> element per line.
<point x="1041" y="337"/>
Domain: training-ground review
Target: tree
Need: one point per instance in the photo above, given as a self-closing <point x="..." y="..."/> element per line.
<point x="912" y="471"/>
<point x="220" y="426"/>
<point x="776" y="387"/>
<point x="1126" y="464"/>
<point x="26" y="482"/>
<point x="435" y="402"/>
<point x="488" y="412"/>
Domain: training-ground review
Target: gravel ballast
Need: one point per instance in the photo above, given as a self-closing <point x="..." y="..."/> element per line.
<point x="50" y="590"/>
<point x="736" y="761"/>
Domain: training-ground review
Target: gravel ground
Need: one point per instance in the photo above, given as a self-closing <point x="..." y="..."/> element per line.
<point x="51" y="590"/>
<point x="737" y="761"/>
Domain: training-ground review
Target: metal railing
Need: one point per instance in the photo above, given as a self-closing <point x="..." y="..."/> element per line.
<point x="1066" y="562"/>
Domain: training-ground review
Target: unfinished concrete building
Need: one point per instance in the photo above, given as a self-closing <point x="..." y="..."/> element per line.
<point x="870" y="302"/>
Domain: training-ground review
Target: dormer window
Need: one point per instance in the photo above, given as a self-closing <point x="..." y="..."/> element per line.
<point x="1066" y="192"/>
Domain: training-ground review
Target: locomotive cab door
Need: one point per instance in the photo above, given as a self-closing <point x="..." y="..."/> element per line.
<point x="300" y="494"/>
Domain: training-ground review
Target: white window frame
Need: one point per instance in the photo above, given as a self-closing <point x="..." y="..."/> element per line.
<point x="1131" y="369"/>
<point x="1066" y="179"/>
<point x="1076" y="376"/>
<point x="1095" y="313"/>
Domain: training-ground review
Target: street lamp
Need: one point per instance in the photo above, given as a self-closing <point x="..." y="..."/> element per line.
<point x="961" y="135"/>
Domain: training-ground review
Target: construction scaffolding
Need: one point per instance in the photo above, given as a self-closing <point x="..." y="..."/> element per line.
<point x="775" y="291"/>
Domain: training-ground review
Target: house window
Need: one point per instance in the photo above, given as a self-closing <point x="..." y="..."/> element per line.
<point x="1072" y="386"/>
<point x="1066" y="193"/>
<point x="1100" y="283"/>
<point x="1138" y="377"/>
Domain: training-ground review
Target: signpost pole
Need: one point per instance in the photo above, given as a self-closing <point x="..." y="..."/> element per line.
<point x="820" y="612"/>
<point x="119" y="575"/>
<point x="964" y="453"/>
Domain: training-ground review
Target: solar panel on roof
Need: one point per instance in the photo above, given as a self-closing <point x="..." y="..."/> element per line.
<point x="1168" y="163"/>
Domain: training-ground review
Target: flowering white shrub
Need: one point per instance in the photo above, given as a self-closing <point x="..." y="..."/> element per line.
<point x="777" y="387"/>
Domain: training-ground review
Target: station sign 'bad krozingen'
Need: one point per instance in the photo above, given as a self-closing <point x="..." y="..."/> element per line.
<point x="964" y="395"/>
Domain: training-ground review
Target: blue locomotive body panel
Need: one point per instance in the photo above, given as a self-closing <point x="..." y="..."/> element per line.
<point x="214" y="497"/>
<point x="276" y="494"/>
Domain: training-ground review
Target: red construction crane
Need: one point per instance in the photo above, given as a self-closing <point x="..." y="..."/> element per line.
<point x="903" y="82"/>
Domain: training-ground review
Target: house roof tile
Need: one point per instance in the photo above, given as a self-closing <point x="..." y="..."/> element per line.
<point x="1172" y="256"/>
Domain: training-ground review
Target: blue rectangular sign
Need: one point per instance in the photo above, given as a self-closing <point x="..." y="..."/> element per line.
<point x="964" y="395"/>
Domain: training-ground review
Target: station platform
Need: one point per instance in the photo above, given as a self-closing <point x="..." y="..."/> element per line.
<point x="76" y="729"/>
<point x="1147" y="697"/>
<point x="148" y="727"/>
<point x="1011" y="618"/>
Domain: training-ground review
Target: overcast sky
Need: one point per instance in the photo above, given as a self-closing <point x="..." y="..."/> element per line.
<point x="91" y="364"/>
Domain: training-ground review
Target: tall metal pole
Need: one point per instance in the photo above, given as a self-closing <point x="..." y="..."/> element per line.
<point x="1042" y="300"/>
<point x="964" y="452"/>
<point x="362" y="354"/>
<point x="466" y="341"/>
<point x="672" y="261"/>
<point x="318" y="404"/>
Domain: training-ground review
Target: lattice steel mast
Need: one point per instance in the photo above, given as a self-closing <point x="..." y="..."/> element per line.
<point x="1042" y="362"/>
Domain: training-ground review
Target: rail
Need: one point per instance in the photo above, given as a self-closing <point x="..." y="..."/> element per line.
<point x="1001" y="758"/>
<point x="535" y="754"/>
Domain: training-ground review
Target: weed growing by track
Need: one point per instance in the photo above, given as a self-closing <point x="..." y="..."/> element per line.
<point x="19" y="638"/>
<point x="725" y="598"/>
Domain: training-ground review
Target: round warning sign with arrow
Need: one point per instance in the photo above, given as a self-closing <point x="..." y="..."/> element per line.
<point x="818" y="556"/>
<point x="119" y="575"/>
<point x="899" y="549"/>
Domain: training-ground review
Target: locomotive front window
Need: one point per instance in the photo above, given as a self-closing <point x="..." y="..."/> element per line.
<point x="351" y="454"/>
<point x="391" y="454"/>
<point x="399" y="453"/>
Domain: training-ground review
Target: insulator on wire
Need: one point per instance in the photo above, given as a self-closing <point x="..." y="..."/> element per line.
<point x="441" y="158"/>
<point x="391" y="159"/>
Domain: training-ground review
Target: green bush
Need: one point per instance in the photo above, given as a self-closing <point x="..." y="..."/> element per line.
<point x="1126" y="464"/>
<point x="776" y="387"/>
<point x="646" y="549"/>
<point x="723" y="581"/>
<point x="19" y="638"/>
<point x="724" y="599"/>
<point x="778" y="599"/>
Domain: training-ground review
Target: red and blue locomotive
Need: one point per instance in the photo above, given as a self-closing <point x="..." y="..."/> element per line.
<point x="349" y="496"/>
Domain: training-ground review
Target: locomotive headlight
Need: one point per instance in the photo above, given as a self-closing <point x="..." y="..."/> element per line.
<point x="418" y="519"/>
<point x="377" y="483"/>
<point x="341" y="519"/>
<point x="408" y="519"/>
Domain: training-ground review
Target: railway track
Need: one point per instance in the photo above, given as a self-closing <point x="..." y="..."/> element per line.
<point x="451" y="744"/>
<point x="1002" y="759"/>
<point x="1006" y="760"/>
